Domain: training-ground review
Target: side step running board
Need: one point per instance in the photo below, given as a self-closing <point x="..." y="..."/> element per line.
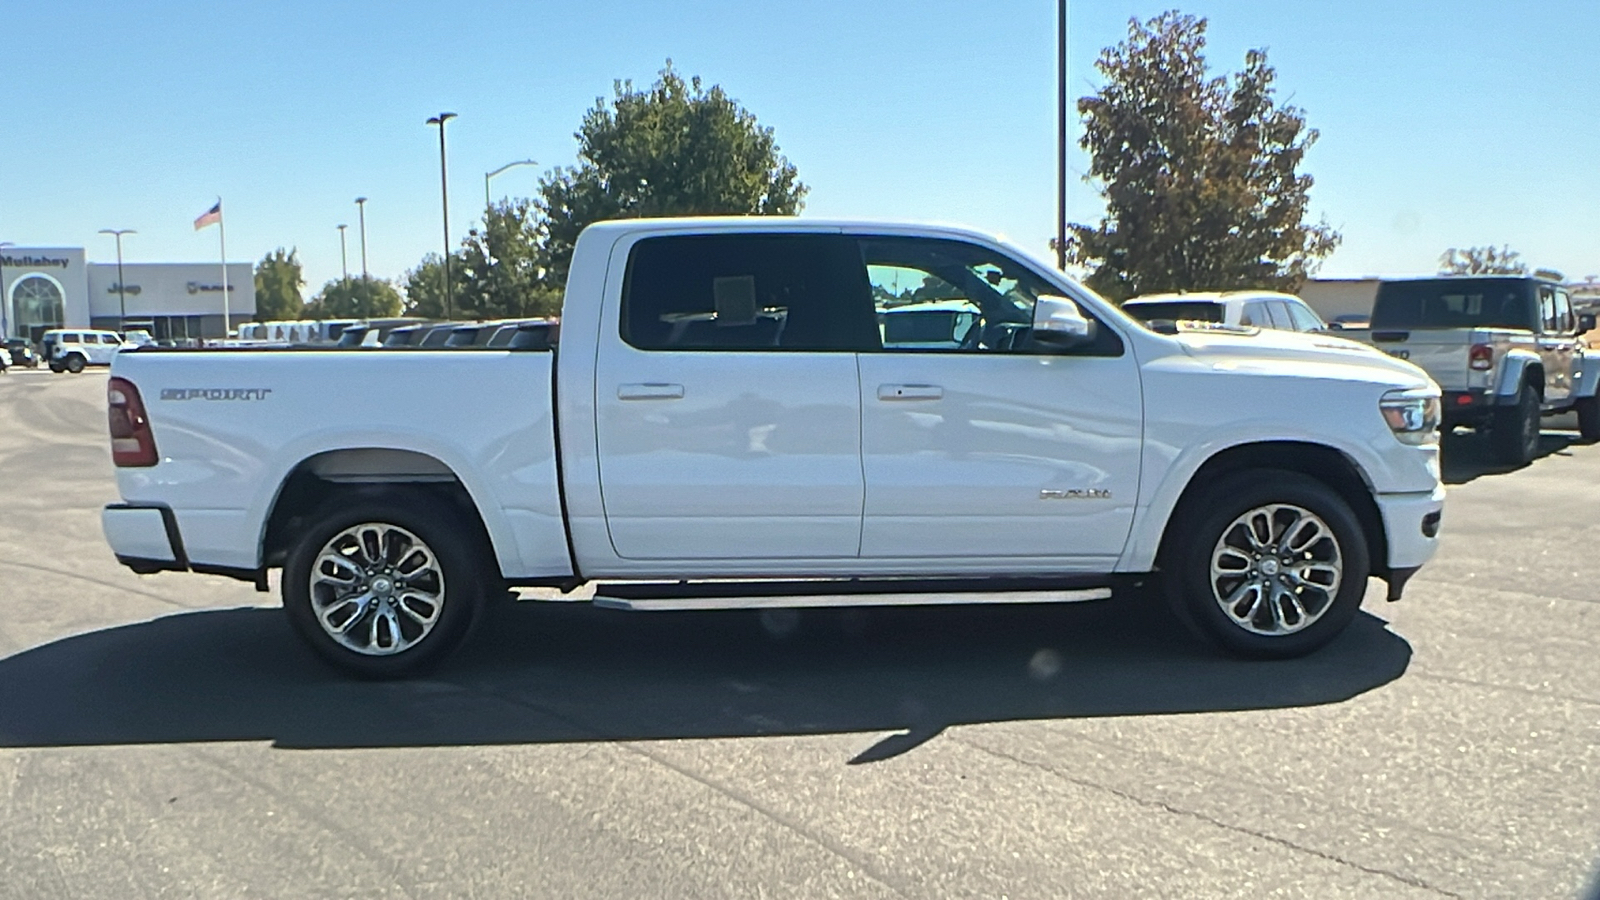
<point x="834" y="593"/>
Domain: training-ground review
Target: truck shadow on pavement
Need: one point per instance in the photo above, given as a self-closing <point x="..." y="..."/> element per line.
<point x="542" y="673"/>
<point x="1467" y="457"/>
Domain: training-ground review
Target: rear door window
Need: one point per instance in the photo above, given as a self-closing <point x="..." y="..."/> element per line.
<point x="1279" y="312"/>
<point x="784" y="292"/>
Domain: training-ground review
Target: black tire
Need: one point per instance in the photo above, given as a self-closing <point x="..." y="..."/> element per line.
<point x="1198" y="533"/>
<point x="1514" y="433"/>
<point x="460" y="559"/>
<point x="1588" y="410"/>
<point x="56" y="367"/>
<point x="74" y="363"/>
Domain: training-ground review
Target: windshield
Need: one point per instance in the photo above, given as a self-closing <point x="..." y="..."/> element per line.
<point x="1188" y="310"/>
<point x="1454" y="303"/>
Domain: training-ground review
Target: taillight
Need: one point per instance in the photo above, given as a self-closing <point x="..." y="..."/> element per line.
<point x="132" y="444"/>
<point x="1480" y="358"/>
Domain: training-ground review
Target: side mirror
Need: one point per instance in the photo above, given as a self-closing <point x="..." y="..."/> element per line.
<point x="1057" y="322"/>
<point x="1585" y="322"/>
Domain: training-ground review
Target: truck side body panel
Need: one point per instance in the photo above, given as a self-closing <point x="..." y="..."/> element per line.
<point x="231" y="425"/>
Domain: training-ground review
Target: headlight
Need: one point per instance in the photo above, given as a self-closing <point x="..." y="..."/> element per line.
<point x="1413" y="415"/>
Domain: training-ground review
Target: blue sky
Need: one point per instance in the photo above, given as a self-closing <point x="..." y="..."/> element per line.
<point x="1443" y="123"/>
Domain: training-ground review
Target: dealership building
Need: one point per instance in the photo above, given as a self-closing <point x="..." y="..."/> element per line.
<point x="54" y="287"/>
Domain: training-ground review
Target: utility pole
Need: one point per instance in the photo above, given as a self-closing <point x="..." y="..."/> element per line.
<point x="487" y="202"/>
<point x="122" y="292"/>
<point x="361" y="204"/>
<point x="444" y="193"/>
<point x="344" y="258"/>
<point x="1061" y="135"/>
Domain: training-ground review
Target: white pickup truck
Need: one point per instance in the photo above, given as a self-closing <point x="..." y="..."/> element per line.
<point x="728" y="422"/>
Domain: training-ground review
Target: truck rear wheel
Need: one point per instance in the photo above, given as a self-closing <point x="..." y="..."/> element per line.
<point x="385" y="587"/>
<point x="1588" y="410"/>
<point x="75" y="363"/>
<point x="1514" y="433"/>
<point x="1271" y="564"/>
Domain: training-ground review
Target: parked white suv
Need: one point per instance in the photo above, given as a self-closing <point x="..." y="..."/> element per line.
<point x="72" y="350"/>
<point x="1244" y="309"/>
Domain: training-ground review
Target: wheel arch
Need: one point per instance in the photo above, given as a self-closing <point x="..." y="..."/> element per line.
<point x="1325" y="464"/>
<point x="1517" y="368"/>
<point x="337" y="476"/>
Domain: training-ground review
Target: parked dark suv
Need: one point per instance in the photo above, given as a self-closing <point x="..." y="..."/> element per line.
<point x="20" y="352"/>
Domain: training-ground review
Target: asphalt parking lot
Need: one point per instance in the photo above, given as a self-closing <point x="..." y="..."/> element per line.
<point x="167" y="736"/>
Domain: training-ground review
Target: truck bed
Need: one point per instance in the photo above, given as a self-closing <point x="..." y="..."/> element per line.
<point x="231" y="425"/>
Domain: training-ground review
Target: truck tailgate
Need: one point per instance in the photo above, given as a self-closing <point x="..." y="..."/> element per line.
<point x="1442" y="353"/>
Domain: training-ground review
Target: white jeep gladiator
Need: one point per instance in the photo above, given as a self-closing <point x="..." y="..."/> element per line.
<point x="1506" y="350"/>
<point x="734" y="417"/>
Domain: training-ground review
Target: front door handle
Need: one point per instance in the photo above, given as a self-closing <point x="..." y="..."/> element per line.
<point x="650" y="392"/>
<point x="910" y="392"/>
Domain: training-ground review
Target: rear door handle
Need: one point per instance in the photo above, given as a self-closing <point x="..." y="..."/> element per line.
<point x="910" y="392"/>
<point x="650" y="392"/>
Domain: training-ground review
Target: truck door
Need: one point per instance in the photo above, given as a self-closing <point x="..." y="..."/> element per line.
<point x="978" y="443"/>
<point x="1557" y="342"/>
<point x="728" y="414"/>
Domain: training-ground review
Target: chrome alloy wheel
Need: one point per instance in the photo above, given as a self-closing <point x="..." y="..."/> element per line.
<point x="1276" y="569"/>
<point x="377" y="589"/>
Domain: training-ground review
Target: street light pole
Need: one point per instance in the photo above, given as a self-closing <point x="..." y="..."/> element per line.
<point x="361" y="205"/>
<point x="344" y="258"/>
<point x="487" y="202"/>
<point x="444" y="194"/>
<point x="122" y="292"/>
<point x="1061" y="135"/>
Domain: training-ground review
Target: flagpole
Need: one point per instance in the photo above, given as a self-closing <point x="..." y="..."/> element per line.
<point x="222" y="236"/>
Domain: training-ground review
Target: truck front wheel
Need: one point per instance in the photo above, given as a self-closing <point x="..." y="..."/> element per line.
<point x="1272" y="564"/>
<point x="384" y="587"/>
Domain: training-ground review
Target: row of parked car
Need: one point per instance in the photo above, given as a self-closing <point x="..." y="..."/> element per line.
<point x="1506" y="350"/>
<point x="69" y="349"/>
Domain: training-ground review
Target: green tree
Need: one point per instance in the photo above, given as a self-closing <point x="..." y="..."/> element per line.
<point x="674" y="149"/>
<point x="424" y="287"/>
<point x="502" y="267"/>
<point x="1489" y="260"/>
<point x="1201" y="177"/>
<point x="354" y="298"/>
<point x="279" y="279"/>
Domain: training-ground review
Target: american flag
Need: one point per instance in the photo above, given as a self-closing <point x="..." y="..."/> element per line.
<point x="210" y="217"/>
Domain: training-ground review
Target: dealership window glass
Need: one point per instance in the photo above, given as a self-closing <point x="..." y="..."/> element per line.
<point x="37" y="303"/>
<point x="795" y="292"/>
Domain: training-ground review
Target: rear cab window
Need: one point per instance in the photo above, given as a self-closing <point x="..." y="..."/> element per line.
<point x="1456" y="303"/>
